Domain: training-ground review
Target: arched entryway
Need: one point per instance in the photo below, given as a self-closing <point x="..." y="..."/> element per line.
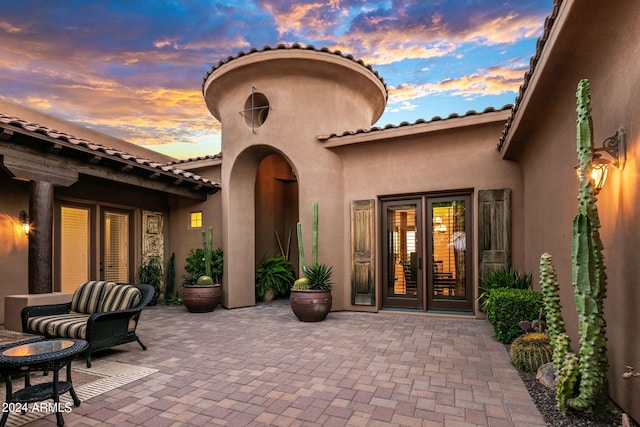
<point x="276" y="209"/>
<point x="261" y="196"/>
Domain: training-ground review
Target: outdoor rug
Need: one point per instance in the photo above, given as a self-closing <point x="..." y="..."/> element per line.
<point x="103" y="376"/>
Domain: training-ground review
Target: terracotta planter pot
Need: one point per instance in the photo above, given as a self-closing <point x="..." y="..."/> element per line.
<point x="269" y="295"/>
<point x="201" y="299"/>
<point x="310" y="305"/>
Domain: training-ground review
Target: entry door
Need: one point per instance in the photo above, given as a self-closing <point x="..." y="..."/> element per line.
<point x="402" y="268"/>
<point x="449" y="261"/>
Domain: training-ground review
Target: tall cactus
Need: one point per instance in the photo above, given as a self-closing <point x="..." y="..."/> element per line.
<point x="314" y="239"/>
<point x="207" y="247"/>
<point x="589" y="282"/>
<point x="551" y="299"/>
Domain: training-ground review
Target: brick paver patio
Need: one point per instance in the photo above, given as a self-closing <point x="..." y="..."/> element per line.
<point x="259" y="366"/>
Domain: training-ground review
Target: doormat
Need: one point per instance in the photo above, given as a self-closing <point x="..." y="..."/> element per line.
<point x="103" y="376"/>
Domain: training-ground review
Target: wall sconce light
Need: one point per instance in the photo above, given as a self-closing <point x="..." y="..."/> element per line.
<point x="24" y="222"/>
<point x="614" y="146"/>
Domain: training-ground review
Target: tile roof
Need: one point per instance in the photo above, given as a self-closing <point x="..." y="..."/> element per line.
<point x="196" y="159"/>
<point x="295" y="46"/>
<point x="419" y="121"/>
<point x="533" y="62"/>
<point x="133" y="164"/>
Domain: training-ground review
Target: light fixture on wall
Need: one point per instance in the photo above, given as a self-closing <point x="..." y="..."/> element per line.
<point x="24" y="222"/>
<point x="614" y="146"/>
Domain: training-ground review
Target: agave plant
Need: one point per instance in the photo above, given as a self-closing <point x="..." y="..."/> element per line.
<point x="318" y="277"/>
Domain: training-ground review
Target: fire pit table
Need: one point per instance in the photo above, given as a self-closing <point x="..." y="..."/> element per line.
<point x="48" y="356"/>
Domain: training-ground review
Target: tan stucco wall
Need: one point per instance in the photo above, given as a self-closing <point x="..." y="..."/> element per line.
<point x="432" y="160"/>
<point x="545" y="145"/>
<point x="14" y="244"/>
<point x="182" y="238"/>
<point x="310" y="93"/>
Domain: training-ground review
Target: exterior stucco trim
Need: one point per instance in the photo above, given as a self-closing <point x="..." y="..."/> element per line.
<point x="418" y="128"/>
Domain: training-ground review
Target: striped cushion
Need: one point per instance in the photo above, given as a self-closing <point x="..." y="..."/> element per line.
<point x="87" y="298"/>
<point x="72" y="325"/>
<point x="120" y="297"/>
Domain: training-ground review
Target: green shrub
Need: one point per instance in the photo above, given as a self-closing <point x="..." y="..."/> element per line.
<point x="196" y="266"/>
<point x="530" y="351"/>
<point x="502" y="278"/>
<point x="507" y="307"/>
<point x="275" y="273"/>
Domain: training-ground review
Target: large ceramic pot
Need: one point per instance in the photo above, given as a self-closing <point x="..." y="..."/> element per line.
<point x="310" y="305"/>
<point x="202" y="298"/>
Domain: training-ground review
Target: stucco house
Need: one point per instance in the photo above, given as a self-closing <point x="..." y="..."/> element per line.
<point x="411" y="215"/>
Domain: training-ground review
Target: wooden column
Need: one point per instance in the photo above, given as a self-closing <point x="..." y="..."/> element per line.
<point x="41" y="238"/>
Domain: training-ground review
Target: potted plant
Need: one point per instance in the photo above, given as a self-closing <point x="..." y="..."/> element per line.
<point x="274" y="277"/>
<point x="311" y="295"/>
<point x="150" y="273"/>
<point x="201" y="289"/>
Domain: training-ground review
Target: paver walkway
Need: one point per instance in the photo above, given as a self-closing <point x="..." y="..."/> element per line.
<point x="260" y="366"/>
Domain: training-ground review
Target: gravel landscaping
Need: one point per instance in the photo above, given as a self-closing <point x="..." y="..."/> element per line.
<point x="545" y="400"/>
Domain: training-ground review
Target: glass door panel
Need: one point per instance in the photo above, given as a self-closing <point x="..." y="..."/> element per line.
<point x="116" y="247"/>
<point x="449" y="285"/>
<point x="402" y="269"/>
<point x="74" y="247"/>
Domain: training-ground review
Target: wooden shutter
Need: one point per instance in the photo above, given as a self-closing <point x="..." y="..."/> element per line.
<point x="494" y="230"/>
<point x="363" y="279"/>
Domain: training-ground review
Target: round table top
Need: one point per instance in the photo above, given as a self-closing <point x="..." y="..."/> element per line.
<point x="42" y="351"/>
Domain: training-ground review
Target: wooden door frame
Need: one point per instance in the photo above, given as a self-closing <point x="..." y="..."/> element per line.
<point x="406" y="302"/>
<point x="458" y="305"/>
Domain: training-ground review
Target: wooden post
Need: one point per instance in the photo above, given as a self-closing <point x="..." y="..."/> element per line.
<point x="41" y="237"/>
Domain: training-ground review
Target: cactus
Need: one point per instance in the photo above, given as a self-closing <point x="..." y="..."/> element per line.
<point x="207" y="247"/>
<point x="567" y="379"/>
<point x="551" y="298"/>
<point x="314" y="239"/>
<point x="171" y="276"/>
<point x="530" y="351"/>
<point x="588" y="276"/>
<point x="560" y="350"/>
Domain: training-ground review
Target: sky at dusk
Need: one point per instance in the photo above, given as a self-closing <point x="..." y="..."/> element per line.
<point x="134" y="69"/>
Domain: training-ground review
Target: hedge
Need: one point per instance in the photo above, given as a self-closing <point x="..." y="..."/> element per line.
<point x="507" y="307"/>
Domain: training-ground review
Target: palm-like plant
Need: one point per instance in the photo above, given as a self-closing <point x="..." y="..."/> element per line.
<point x="275" y="273"/>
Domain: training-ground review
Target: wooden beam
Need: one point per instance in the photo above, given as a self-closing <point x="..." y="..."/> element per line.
<point x="39" y="169"/>
<point x="95" y="160"/>
<point x="6" y="134"/>
<point x="55" y="148"/>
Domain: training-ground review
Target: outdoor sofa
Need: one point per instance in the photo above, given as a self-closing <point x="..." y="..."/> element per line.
<point x="105" y="314"/>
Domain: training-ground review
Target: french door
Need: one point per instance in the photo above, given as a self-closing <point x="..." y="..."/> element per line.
<point x="116" y="246"/>
<point x="427" y="264"/>
<point x="83" y="254"/>
<point x="402" y="264"/>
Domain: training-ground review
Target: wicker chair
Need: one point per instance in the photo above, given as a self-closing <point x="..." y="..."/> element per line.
<point x="105" y="314"/>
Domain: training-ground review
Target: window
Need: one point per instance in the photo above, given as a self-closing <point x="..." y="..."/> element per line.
<point x="195" y="220"/>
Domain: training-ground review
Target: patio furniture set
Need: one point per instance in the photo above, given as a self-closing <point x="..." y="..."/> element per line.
<point x="100" y="315"/>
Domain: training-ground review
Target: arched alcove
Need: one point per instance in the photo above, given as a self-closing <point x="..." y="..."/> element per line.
<point x="276" y="209"/>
